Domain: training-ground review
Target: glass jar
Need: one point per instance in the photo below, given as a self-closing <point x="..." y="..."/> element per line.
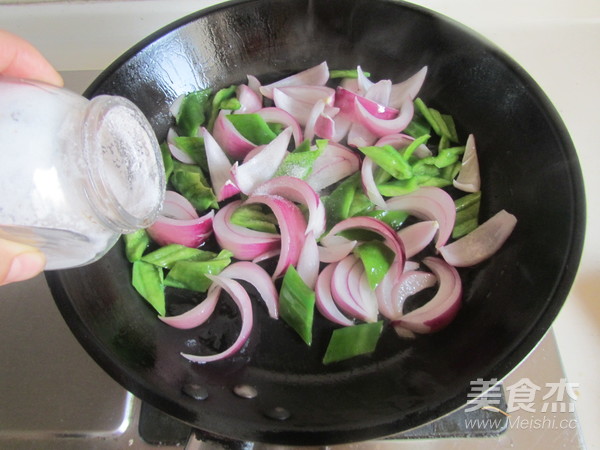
<point x="75" y="173"/>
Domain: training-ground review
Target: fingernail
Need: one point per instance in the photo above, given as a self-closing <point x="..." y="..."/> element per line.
<point x="24" y="266"/>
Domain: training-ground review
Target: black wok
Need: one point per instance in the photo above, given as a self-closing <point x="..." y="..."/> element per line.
<point x="529" y="167"/>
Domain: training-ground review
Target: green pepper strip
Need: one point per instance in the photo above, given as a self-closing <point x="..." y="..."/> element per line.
<point x="136" y="244"/>
<point x="377" y="259"/>
<point x="390" y="160"/>
<point x="297" y="304"/>
<point x="190" y="182"/>
<point x="467" y="214"/>
<point x="194" y="148"/>
<point x="253" y="217"/>
<point x="192" y="274"/>
<point x="168" y="255"/>
<point x="350" y="73"/>
<point x="192" y="112"/>
<point x="147" y="279"/>
<point x="352" y="341"/>
<point x="167" y="160"/>
<point x="253" y="127"/>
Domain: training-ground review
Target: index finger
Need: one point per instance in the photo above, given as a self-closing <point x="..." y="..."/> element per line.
<point x="18" y="58"/>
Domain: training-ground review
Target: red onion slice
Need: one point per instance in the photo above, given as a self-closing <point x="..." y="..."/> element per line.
<point x="379" y="126"/>
<point x="342" y="126"/>
<point x="418" y="236"/>
<point x="407" y="89"/>
<point x="368" y="182"/>
<point x="299" y="191"/>
<point x="317" y="75"/>
<point x="299" y="101"/>
<point x="308" y="261"/>
<point x="480" y="243"/>
<point x="175" y="151"/>
<point x="345" y="288"/>
<point x="198" y="314"/>
<point x="259" y="278"/>
<point x="242" y="300"/>
<point x="390" y="237"/>
<point x="176" y="105"/>
<point x="345" y="100"/>
<point x="219" y="168"/>
<point x="409" y="283"/>
<point x="315" y="112"/>
<point x="360" y="136"/>
<point x="335" y="163"/>
<point x="383" y="291"/>
<point x="244" y="243"/>
<point x="292" y="227"/>
<point x="255" y="84"/>
<point x="263" y="166"/>
<point x="324" y="300"/>
<point x="179" y="223"/>
<point x="469" y="179"/>
<point x="229" y="138"/>
<point x="380" y="94"/>
<point x="335" y="248"/>
<point x="441" y="309"/>
<point x="249" y="100"/>
<point x="363" y="84"/>
<point x="429" y="203"/>
<point x="277" y="115"/>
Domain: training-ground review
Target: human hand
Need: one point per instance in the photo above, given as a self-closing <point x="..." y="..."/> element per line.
<point x="18" y="58"/>
<point x="19" y="262"/>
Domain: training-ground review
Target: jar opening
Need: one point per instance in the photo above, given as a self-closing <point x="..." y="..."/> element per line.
<point x="124" y="164"/>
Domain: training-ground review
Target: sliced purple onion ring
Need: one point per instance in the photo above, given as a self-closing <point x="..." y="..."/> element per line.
<point x="308" y="261"/>
<point x="259" y="278"/>
<point x="317" y="75"/>
<point x="409" y="283"/>
<point x="263" y="165"/>
<point x="335" y="163"/>
<point x="417" y="236"/>
<point x="346" y="289"/>
<point x="407" y="89"/>
<point x="429" y="203"/>
<point x="298" y="191"/>
<point x="244" y="243"/>
<point x="249" y="100"/>
<point x="482" y="242"/>
<point x="380" y="127"/>
<point x="368" y="182"/>
<point x="390" y="237"/>
<point x="242" y="300"/>
<point x="179" y="223"/>
<point x="299" y="101"/>
<point x="198" y="314"/>
<point x="335" y="248"/>
<point x="469" y="179"/>
<point x="441" y="309"/>
<point x="292" y="227"/>
<point x="324" y="300"/>
<point x="277" y="115"/>
<point x="229" y="138"/>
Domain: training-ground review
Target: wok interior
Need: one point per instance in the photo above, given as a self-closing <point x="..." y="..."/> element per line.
<point x="528" y="168"/>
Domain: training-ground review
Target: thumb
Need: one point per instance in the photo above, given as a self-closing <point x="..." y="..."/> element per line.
<point x="19" y="262"/>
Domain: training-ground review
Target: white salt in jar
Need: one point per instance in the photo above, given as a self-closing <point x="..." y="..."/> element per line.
<point x="75" y="173"/>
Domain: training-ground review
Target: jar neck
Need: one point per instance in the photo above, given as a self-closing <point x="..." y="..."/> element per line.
<point x="123" y="164"/>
